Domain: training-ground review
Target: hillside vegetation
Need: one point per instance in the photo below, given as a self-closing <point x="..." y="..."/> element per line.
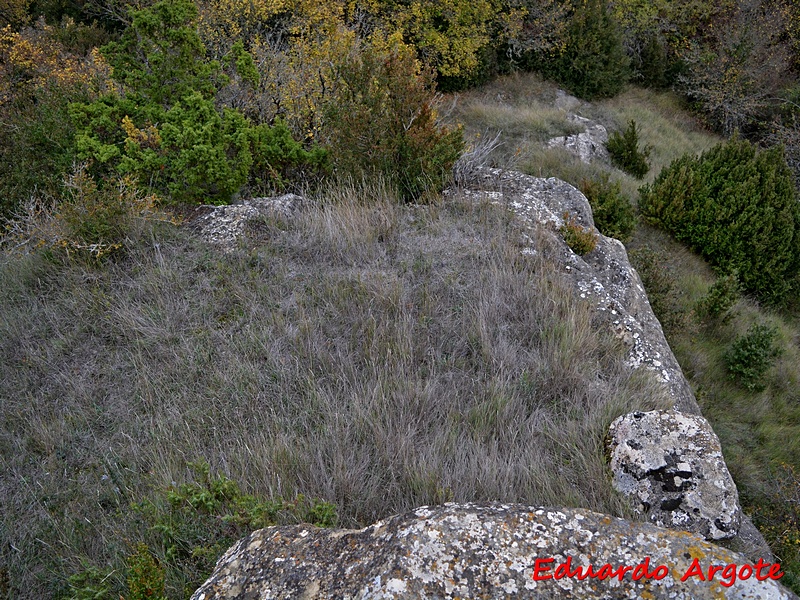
<point x="389" y="347"/>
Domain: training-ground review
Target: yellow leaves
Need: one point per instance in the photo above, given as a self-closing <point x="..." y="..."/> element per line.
<point x="450" y="33"/>
<point x="33" y="60"/>
<point x="149" y="137"/>
<point x="14" y="12"/>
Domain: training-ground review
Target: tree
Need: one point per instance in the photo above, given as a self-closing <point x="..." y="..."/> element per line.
<point x="735" y="73"/>
<point x="593" y="64"/>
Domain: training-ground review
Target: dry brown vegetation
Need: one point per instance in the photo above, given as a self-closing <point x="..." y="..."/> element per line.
<point x="371" y="354"/>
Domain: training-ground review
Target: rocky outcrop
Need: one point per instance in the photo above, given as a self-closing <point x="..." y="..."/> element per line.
<point x="588" y="145"/>
<point x="606" y="278"/>
<point x="487" y="551"/>
<point x="603" y="277"/>
<point x="672" y="463"/>
<point x="223" y="225"/>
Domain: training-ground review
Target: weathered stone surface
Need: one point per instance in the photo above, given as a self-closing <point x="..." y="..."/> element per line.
<point x="672" y="463"/>
<point x="588" y="145"/>
<point x="222" y="225"/>
<point x="476" y="551"/>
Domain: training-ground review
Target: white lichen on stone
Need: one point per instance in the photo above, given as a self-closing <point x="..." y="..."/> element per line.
<point x="478" y="551"/>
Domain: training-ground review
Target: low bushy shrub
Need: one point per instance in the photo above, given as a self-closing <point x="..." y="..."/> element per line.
<point x="612" y="212"/>
<point x="166" y="128"/>
<point x="198" y="520"/>
<point x="721" y="297"/>
<point x="90" y="221"/>
<point x="384" y="120"/>
<point x="145" y="575"/>
<point x="737" y="207"/>
<point x="579" y="238"/>
<point x="625" y="152"/>
<point x="752" y="355"/>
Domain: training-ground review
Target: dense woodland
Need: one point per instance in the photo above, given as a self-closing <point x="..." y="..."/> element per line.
<point x="117" y="116"/>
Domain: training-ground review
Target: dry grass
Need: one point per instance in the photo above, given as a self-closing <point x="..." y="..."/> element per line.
<point x="374" y="355"/>
<point x="522" y="107"/>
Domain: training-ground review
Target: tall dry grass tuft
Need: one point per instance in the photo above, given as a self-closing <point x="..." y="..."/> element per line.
<point x="375" y="355"/>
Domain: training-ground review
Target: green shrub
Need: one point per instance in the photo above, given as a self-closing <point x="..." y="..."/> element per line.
<point x="383" y="120"/>
<point x="625" y="153"/>
<point x="166" y="128"/>
<point x="751" y="356"/>
<point x="91" y="583"/>
<point x="613" y="214"/>
<point x="39" y="78"/>
<point x="721" y="297"/>
<point x="197" y="521"/>
<point x="594" y="63"/>
<point x="580" y="239"/>
<point x="737" y="207"/>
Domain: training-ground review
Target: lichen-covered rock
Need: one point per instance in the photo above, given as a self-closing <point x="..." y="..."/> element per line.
<point x="485" y="551"/>
<point x="672" y="464"/>
<point x="588" y="145"/>
<point x="222" y="225"/>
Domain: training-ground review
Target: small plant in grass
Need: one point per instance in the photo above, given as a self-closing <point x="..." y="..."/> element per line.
<point x="92" y="220"/>
<point x="720" y="297"/>
<point x="751" y="356"/>
<point x="613" y="214"/>
<point x="579" y="238"/>
<point x="145" y="575"/>
<point x="91" y="583"/>
<point x="197" y="521"/>
<point x="625" y="152"/>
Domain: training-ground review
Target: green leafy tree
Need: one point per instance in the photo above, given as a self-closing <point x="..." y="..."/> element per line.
<point x="737" y="207"/>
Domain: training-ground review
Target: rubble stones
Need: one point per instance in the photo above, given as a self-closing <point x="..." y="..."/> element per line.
<point x="588" y="145"/>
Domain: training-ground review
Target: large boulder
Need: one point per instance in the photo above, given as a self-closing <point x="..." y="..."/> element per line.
<point x="672" y="464"/>
<point x="486" y="551"/>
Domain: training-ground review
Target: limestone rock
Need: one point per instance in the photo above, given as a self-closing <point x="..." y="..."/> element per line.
<point x="477" y="551"/>
<point x="673" y="464"/>
<point x="222" y="225"/>
<point x="589" y="145"/>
